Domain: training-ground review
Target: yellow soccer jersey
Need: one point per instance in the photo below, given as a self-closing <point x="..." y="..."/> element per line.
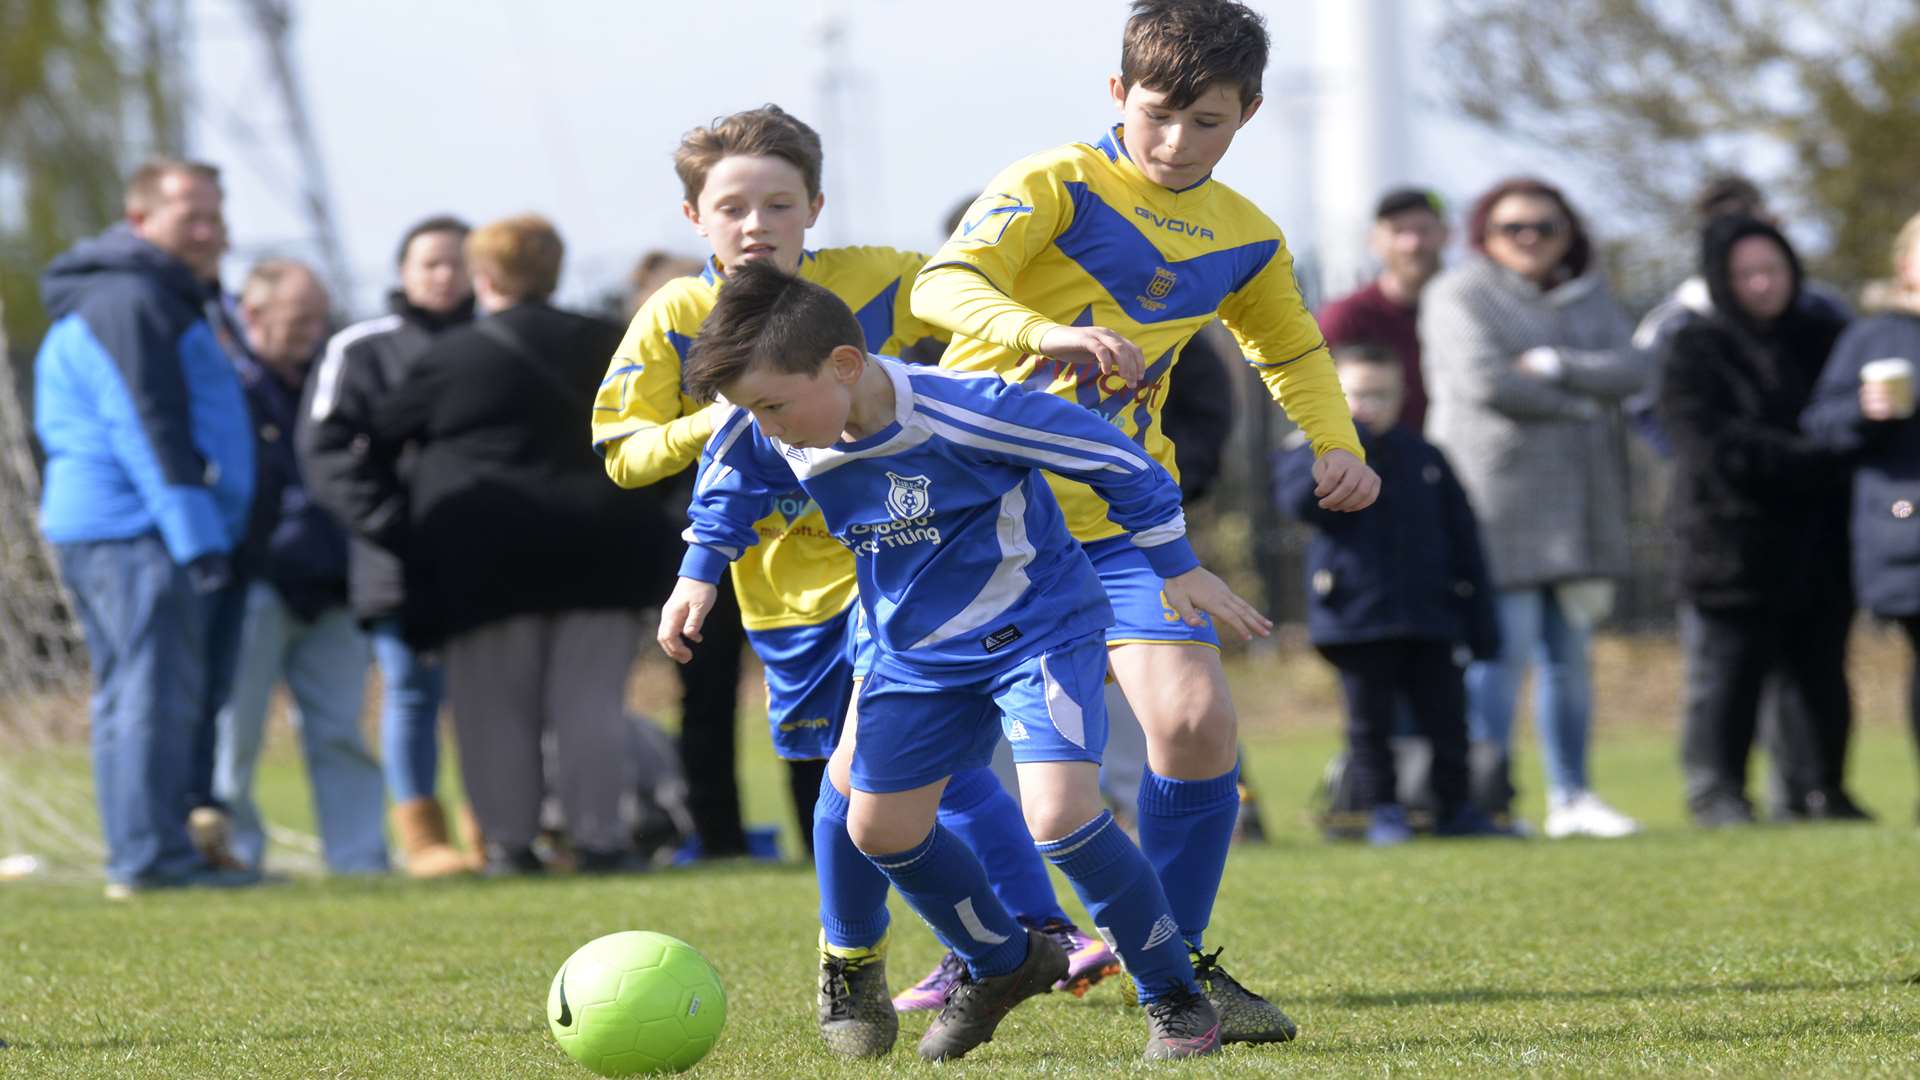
<point x="648" y="429"/>
<point x="1079" y="236"/>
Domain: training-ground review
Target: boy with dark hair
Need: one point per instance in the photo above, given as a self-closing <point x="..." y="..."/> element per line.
<point x="752" y="190"/>
<point x="1084" y="271"/>
<point x="981" y="606"/>
<point x="1393" y="594"/>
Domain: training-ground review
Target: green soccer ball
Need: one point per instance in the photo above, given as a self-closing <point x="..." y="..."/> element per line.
<point x="636" y="1002"/>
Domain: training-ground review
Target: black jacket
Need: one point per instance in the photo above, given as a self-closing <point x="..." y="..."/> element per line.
<point x="292" y="544"/>
<point x="362" y="364"/>
<point x="1886" y="458"/>
<point x="1198" y="414"/>
<point x="1410" y="566"/>
<point x="507" y="509"/>
<point x="1757" y="509"/>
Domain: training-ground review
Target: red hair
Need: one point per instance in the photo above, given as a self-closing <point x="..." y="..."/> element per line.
<point x="1579" y="249"/>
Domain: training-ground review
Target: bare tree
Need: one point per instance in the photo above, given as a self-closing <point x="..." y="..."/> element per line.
<point x="1819" y="100"/>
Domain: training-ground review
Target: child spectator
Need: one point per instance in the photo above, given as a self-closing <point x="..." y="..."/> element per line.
<point x="1395" y="592"/>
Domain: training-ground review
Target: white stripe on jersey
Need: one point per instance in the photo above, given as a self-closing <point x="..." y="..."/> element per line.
<point x="1008" y="582"/>
<point x="718" y="469"/>
<point x="328" y="386"/>
<point x="1027" y="454"/>
<point x="816" y="462"/>
<point x="1164" y="533"/>
<point x="951" y="411"/>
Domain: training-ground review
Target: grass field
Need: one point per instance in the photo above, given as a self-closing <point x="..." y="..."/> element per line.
<point x="1777" y="951"/>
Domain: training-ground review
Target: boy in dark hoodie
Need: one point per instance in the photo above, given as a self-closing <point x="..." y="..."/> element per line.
<point x="1396" y="592"/>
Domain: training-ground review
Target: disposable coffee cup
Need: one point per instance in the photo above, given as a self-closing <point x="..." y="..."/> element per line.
<point x="1895" y="375"/>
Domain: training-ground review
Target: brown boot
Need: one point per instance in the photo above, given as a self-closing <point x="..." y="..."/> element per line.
<point x="476" y="854"/>
<point x="421" y="829"/>
<point x="211" y="833"/>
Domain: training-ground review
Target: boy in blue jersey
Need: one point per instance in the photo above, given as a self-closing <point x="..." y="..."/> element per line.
<point x="752" y="184"/>
<point x="983" y="608"/>
<point x="1084" y="271"/>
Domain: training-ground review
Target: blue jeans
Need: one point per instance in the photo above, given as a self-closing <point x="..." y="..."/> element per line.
<point x="149" y="647"/>
<point x="411" y="689"/>
<point x="1535" y="628"/>
<point x="324" y="665"/>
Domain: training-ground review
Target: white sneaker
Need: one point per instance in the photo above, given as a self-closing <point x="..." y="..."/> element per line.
<point x="1583" y="814"/>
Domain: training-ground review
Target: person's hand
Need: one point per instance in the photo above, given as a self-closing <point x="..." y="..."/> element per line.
<point x="1877" y="402"/>
<point x="1096" y="344"/>
<point x="209" y="573"/>
<point x="684" y="613"/>
<point x="1542" y="360"/>
<point x="1198" y="591"/>
<point x="1343" y="482"/>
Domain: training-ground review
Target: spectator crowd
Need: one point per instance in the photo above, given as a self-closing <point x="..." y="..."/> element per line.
<point x="241" y="501"/>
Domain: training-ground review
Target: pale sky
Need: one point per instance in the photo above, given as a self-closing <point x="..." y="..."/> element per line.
<point x="572" y="109"/>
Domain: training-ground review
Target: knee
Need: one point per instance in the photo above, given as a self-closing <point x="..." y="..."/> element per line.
<point x="875" y="833"/>
<point x="1053" y="820"/>
<point x="1200" y="726"/>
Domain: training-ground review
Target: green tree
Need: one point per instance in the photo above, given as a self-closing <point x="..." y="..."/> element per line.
<point x="1818" y="100"/>
<point x="86" y="88"/>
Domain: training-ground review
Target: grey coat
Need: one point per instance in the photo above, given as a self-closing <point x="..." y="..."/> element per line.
<point x="1542" y="458"/>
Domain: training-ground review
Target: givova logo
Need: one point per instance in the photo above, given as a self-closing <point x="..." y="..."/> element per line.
<point x="1174" y="224"/>
<point x="987" y="219"/>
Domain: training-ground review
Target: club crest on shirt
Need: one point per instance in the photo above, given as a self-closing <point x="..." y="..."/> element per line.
<point x="1158" y="287"/>
<point x="907" y="496"/>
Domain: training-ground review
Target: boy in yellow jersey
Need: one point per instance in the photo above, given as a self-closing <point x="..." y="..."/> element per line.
<point x="1083" y="271"/>
<point x="752" y="183"/>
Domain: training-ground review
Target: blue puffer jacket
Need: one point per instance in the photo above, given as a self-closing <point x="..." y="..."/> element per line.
<point x="137" y="406"/>
<point x="1410" y="566"/>
<point x="1886" y="455"/>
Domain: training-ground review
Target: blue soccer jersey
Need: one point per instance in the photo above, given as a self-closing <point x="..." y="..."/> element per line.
<point x="964" y="561"/>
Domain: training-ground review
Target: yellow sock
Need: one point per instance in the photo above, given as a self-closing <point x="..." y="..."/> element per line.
<point x="854" y="952"/>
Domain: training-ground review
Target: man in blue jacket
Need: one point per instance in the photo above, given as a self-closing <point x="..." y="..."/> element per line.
<point x="149" y="475"/>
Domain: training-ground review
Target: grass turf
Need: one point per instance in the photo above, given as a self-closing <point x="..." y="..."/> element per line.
<point x="1771" y="951"/>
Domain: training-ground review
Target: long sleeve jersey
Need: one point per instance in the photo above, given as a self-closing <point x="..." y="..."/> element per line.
<point x="648" y="429"/>
<point x="1079" y="236"/>
<point x="964" y="561"/>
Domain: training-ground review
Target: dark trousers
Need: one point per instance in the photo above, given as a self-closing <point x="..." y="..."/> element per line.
<point x="1732" y="654"/>
<point x="1386" y="680"/>
<point x="709" y="730"/>
<point x="1813" y="707"/>
<point x="514" y="680"/>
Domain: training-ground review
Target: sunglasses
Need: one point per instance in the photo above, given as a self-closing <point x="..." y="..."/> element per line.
<point x="1545" y="230"/>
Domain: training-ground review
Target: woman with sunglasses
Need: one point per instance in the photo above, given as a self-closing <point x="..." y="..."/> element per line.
<point x="1527" y="359"/>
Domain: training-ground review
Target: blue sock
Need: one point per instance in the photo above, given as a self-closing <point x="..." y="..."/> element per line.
<point x="986" y="819"/>
<point x="853" y="893"/>
<point x="946" y="885"/>
<point x="1185" y="829"/>
<point x="1123" y="895"/>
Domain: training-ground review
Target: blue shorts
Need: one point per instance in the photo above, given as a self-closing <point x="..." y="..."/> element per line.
<point x="1140" y="609"/>
<point x="1051" y="706"/>
<point x="861" y="644"/>
<point x="809" y="683"/>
